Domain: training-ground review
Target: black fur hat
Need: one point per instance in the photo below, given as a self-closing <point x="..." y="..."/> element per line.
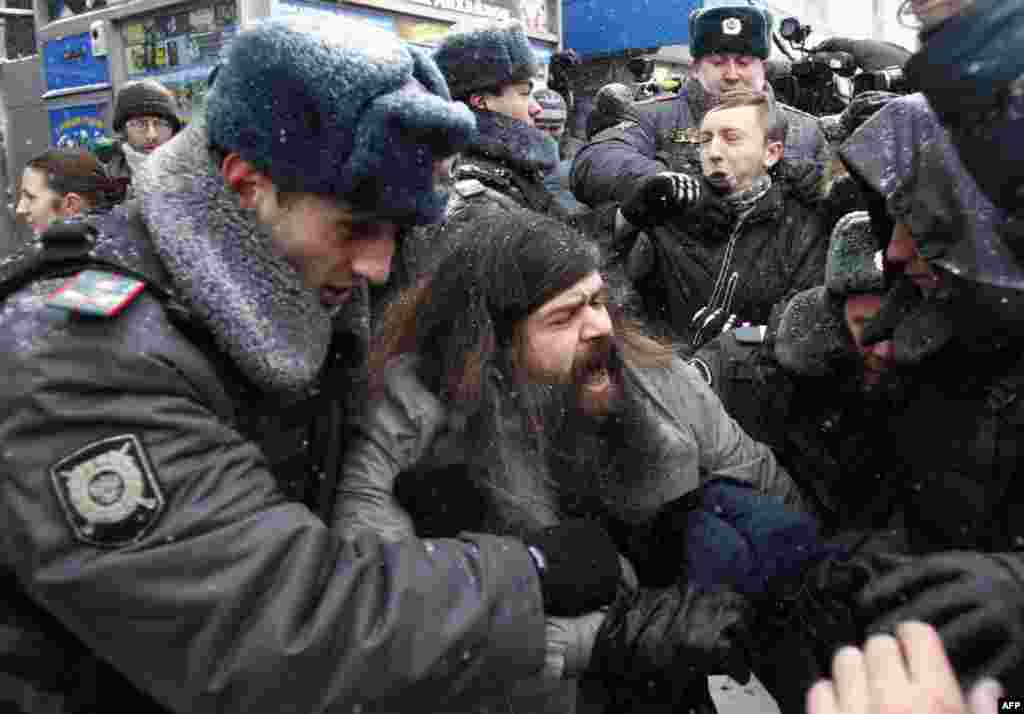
<point x="742" y="29"/>
<point x="145" y="97"/>
<point x="475" y="57"/>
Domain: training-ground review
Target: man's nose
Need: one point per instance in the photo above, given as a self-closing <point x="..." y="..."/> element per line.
<point x="372" y="259"/>
<point x="596" y="323"/>
<point x="732" y="70"/>
<point x="534" y="108"/>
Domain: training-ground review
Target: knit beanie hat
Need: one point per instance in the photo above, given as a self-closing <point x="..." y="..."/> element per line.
<point x="743" y="29"/>
<point x="553" y="108"/>
<point x="477" y="57"/>
<point x="337" y="108"/>
<point x="854" y="263"/>
<point x="145" y="97"/>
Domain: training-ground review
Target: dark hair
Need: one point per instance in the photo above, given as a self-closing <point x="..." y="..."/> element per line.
<point x="76" y="171"/>
<point x="772" y="119"/>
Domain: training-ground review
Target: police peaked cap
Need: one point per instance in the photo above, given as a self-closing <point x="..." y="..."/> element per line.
<point x="742" y="29"/>
<point x="476" y="57"/>
<point x="339" y="108"/>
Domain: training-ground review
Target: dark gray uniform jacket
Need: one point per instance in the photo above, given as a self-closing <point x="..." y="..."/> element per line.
<point x="776" y="250"/>
<point x="819" y="424"/>
<point x="664" y="138"/>
<point x="150" y="511"/>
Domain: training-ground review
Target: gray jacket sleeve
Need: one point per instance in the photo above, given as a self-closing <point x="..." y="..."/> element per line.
<point x="393" y="432"/>
<point x="727" y="450"/>
<point x="235" y="600"/>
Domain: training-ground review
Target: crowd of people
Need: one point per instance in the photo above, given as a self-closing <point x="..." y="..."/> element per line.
<point x="373" y="389"/>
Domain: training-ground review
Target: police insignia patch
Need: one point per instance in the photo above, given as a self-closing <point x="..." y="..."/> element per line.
<point x="109" y="491"/>
<point x="690" y="135"/>
<point x="732" y="26"/>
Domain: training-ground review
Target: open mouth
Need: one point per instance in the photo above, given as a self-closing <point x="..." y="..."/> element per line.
<point x="720" y="180"/>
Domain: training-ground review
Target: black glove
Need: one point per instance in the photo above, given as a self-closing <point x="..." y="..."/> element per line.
<point x="839" y="127"/>
<point x="578" y="565"/>
<point x="667" y="194"/>
<point x="974" y="600"/>
<point x="870" y="55"/>
<point x="667" y="638"/>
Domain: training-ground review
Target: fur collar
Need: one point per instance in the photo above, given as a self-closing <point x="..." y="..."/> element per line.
<point x="221" y="263"/>
<point x="513" y="143"/>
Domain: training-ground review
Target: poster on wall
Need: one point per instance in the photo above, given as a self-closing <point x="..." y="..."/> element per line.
<point x="179" y="47"/>
<point x="69" y="63"/>
<point x="78" y="126"/>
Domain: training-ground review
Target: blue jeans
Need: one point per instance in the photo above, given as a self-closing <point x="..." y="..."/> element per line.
<point x="750" y="541"/>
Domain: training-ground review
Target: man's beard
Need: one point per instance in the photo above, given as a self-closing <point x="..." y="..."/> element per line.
<point x="591" y="452"/>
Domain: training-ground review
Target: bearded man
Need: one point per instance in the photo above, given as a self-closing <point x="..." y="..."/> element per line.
<point x="522" y="395"/>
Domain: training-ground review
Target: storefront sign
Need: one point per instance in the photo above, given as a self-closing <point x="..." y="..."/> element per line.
<point x="69" y="62"/>
<point x="79" y="126"/>
<point x="537" y="16"/>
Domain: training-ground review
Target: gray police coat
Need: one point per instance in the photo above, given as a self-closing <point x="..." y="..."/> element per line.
<point x="140" y="515"/>
<point x="664" y="139"/>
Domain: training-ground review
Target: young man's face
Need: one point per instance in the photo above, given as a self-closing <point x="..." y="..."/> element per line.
<point x="879" y="357"/>
<point x="515" y="100"/>
<point x="566" y="339"/>
<point x="718" y="73"/>
<point x="145" y="133"/>
<point x="38" y="204"/>
<point x="734" y="151"/>
<point x="330" y="247"/>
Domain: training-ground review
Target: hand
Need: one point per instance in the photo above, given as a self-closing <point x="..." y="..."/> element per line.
<point x="579" y="567"/>
<point x="662" y="196"/>
<point x="975" y="600"/>
<point x="671" y="636"/>
<point x="839" y="127"/>
<point x="890" y="676"/>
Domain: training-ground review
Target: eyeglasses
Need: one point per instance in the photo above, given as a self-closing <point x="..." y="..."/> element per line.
<point x="142" y="124"/>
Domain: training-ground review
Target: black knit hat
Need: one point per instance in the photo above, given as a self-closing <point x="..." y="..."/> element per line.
<point x="145" y="97"/>
<point x="743" y="29"/>
<point x="474" y="57"/>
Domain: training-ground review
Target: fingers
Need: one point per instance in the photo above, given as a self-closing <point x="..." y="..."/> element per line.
<point x="927" y="661"/>
<point x="984" y="697"/>
<point x="822" y="699"/>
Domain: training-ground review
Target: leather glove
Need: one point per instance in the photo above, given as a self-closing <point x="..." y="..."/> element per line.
<point x="870" y="55"/>
<point x="666" y="195"/>
<point x="839" y="127"/>
<point x="390" y="436"/>
<point x="672" y="636"/>
<point x="579" y="567"/>
<point x="975" y="601"/>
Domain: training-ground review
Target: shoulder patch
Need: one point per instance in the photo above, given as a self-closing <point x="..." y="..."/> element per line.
<point x="469" y="187"/>
<point x="109" y="491"/>
<point x="96" y="292"/>
<point x="703" y="369"/>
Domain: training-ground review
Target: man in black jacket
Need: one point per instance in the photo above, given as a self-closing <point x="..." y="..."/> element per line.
<point x="176" y="380"/>
<point x="728" y="246"/>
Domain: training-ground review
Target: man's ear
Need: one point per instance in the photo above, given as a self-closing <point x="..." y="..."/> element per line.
<point x="773" y="153"/>
<point x="71" y="204"/>
<point x="246" y="180"/>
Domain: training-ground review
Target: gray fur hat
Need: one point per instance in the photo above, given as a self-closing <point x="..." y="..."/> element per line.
<point x="854" y="263"/>
<point x="341" y="109"/>
<point x="475" y="57"/>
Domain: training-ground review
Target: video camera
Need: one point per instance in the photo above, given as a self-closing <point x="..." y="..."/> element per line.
<point x="889" y="79"/>
<point x="811" y="82"/>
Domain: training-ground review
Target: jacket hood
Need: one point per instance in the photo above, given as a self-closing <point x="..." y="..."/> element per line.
<point x="222" y="265"/>
<point x="514" y="143"/>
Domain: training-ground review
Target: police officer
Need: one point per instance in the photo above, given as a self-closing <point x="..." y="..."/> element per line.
<point x="729" y="46"/>
<point x="172" y="412"/>
<point x="953" y="315"/>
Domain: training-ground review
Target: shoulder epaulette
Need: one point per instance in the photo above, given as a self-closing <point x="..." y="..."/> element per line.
<point x="98" y="293"/>
<point x="468" y="188"/>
